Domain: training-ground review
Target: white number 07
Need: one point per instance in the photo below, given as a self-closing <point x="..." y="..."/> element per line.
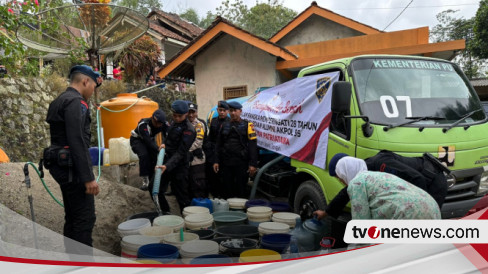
<point x="394" y="109"/>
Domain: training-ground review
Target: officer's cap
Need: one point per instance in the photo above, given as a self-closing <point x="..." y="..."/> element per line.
<point x="179" y="106"/>
<point x="159" y="116"/>
<point x="192" y="106"/>
<point x="223" y="104"/>
<point x="86" y="70"/>
<point x="333" y="163"/>
<point x="235" y="105"/>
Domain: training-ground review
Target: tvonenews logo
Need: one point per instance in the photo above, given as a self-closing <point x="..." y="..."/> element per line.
<point x="417" y="231"/>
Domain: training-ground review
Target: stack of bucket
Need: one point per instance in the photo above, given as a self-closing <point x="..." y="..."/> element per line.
<point x="195" y="210"/>
<point x="178" y="239"/>
<point x="258" y="214"/>
<point x="133" y="226"/>
<point x="130" y="244"/>
<point x="163" y="253"/>
<point x="199" y="221"/>
<point x="172" y="221"/>
<point x="285" y="218"/>
<point x="197" y="248"/>
<point x="156" y="231"/>
<point x="237" y="204"/>
<point x="272" y="228"/>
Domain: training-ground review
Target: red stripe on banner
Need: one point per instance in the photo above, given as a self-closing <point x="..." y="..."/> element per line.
<point x="307" y="153"/>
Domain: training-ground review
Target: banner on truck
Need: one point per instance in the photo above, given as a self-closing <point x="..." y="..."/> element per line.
<point x="293" y="118"/>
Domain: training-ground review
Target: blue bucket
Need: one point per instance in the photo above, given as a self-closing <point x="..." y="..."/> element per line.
<point x="94" y="155"/>
<point x="164" y="253"/>
<point x="278" y="242"/>
<point x="279" y="206"/>
<point x="257" y="202"/>
<point x="212" y="259"/>
<point x="205" y="202"/>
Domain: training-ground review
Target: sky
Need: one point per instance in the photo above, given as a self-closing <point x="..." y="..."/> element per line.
<point x="375" y="13"/>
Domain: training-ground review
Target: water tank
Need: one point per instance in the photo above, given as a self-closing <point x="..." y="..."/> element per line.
<point x="3" y="157"/>
<point x="120" y="124"/>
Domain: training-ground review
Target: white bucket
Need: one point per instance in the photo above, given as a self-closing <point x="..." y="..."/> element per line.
<point x="172" y="221"/>
<point x="220" y="205"/>
<point x="285" y="218"/>
<point x="237" y="203"/>
<point x="133" y="226"/>
<point x="195" y="210"/>
<point x="106" y="157"/>
<point x="156" y="231"/>
<point x="272" y="228"/>
<point x="130" y="244"/>
<point x="199" y="221"/>
<point x="197" y="248"/>
<point x="174" y="239"/>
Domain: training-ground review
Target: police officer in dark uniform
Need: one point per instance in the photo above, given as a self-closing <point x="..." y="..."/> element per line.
<point x="143" y="144"/>
<point x="236" y="152"/>
<point x="214" y="179"/>
<point x="181" y="135"/>
<point x="68" y="158"/>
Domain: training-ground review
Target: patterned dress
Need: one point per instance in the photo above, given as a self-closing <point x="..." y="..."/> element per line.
<point x="379" y="195"/>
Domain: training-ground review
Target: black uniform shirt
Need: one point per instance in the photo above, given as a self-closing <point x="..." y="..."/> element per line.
<point x="69" y="120"/>
<point x="180" y="138"/>
<point x="237" y="144"/>
<point x="214" y="126"/>
<point x="147" y="131"/>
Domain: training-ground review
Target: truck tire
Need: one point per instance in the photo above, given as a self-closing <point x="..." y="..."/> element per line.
<point x="308" y="198"/>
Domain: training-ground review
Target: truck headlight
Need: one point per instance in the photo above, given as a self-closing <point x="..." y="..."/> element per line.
<point x="483" y="183"/>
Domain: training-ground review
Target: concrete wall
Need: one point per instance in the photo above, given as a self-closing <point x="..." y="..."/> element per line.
<point x="317" y="29"/>
<point x="230" y="62"/>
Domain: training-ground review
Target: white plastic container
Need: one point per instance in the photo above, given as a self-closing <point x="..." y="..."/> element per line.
<point x="199" y="221"/>
<point x="272" y="228"/>
<point x="133" y="226"/>
<point x="237" y="204"/>
<point x="197" y="248"/>
<point x="195" y="210"/>
<point x="131" y="243"/>
<point x="156" y="231"/>
<point x="174" y="239"/>
<point x="119" y="151"/>
<point x="172" y="221"/>
<point x="220" y="205"/>
<point x="285" y="218"/>
<point x="106" y="157"/>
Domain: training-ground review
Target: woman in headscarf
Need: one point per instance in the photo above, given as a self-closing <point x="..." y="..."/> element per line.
<point x="378" y="195"/>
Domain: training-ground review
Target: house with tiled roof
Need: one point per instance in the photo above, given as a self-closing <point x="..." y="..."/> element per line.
<point x="227" y="61"/>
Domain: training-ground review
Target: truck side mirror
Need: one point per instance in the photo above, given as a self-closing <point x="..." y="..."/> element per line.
<point x="341" y="97"/>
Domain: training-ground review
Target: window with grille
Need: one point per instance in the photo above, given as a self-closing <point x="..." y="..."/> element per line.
<point x="234" y="92"/>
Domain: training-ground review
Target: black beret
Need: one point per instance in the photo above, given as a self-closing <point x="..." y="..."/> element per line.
<point x="179" y="106"/>
<point x="86" y="70"/>
<point x="223" y="104"/>
<point x="235" y="105"/>
<point x="159" y="116"/>
<point x="192" y="106"/>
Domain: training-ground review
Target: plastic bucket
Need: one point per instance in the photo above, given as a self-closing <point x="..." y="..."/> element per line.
<point x="237" y="204"/>
<point x="194" y="210"/>
<point x="199" y="221"/>
<point x="132" y="227"/>
<point x="148" y="215"/>
<point x="204" y="202"/>
<point x="256" y="202"/>
<point x="285" y="218"/>
<point x="280" y="206"/>
<point x="259" y="255"/>
<point x="238" y="231"/>
<point x="174" y="239"/>
<point x="234" y="247"/>
<point x="220" y="205"/>
<point x="130" y="244"/>
<point x="194" y="249"/>
<point x="272" y="228"/>
<point x="156" y="231"/>
<point x="259" y="212"/>
<point x="173" y="221"/>
<point x="278" y="242"/>
<point x="212" y="259"/>
<point x="204" y="234"/>
<point x="226" y="218"/>
<point x="94" y="155"/>
<point x="163" y="253"/>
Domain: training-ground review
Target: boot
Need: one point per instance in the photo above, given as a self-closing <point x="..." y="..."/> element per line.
<point x="145" y="183"/>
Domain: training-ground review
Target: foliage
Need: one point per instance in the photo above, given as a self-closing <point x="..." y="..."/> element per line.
<point x="139" y="57"/>
<point x="207" y="21"/>
<point x="57" y="83"/>
<point x="479" y="46"/>
<point x="142" y="6"/>
<point x="452" y="28"/>
<point x="110" y="88"/>
<point x="191" y="16"/>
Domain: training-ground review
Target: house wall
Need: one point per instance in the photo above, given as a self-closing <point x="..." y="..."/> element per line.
<point x="230" y="62"/>
<point x="317" y="29"/>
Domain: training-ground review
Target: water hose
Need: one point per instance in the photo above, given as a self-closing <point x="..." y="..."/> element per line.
<point x="42" y="180"/>
<point x="31" y="202"/>
<point x="260" y="172"/>
<point x="157" y="182"/>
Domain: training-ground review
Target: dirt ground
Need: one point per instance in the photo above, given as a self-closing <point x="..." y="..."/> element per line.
<point x="119" y="198"/>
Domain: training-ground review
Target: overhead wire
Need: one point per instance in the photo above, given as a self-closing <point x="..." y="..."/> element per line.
<point x="398" y="15"/>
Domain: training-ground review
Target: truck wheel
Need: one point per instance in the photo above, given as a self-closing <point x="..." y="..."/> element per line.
<point x="308" y="198"/>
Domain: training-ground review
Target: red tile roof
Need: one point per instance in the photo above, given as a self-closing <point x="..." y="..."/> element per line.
<point x="193" y="30"/>
<point x="165" y="32"/>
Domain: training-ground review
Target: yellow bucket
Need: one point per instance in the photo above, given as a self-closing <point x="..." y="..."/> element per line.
<point x="259" y="255"/>
<point x="147" y="262"/>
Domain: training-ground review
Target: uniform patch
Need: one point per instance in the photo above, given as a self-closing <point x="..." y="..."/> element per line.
<point x="322" y="87"/>
<point x="199" y="130"/>
<point x="251" y="133"/>
<point x="84" y="107"/>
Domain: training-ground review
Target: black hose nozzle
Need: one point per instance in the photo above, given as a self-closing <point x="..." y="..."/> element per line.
<point x="27" y="178"/>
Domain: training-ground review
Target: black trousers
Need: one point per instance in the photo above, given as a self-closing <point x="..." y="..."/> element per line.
<point x="79" y="209"/>
<point x="147" y="157"/>
<point x="214" y="184"/>
<point x="234" y="180"/>
<point x="178" y="177"/>
<point x="197" y="182"/>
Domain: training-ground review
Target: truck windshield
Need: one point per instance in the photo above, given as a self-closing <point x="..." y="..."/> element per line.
<point x="392" y="90"/>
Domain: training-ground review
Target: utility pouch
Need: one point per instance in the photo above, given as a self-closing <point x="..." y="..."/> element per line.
<point x="64" y="158"/>
<point x="49" y="157"/>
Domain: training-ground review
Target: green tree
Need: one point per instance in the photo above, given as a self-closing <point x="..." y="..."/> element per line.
<point x="207" y="21"/>
<point x="191" y="15"/>
<point x="142" y="6"/>
<point x="479" y="46"/>
<point x="139" y="58"/>
<point x="452" y="28"/>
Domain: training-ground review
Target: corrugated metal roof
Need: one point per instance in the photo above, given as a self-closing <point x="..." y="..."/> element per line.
<point x="479" y="82"/>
